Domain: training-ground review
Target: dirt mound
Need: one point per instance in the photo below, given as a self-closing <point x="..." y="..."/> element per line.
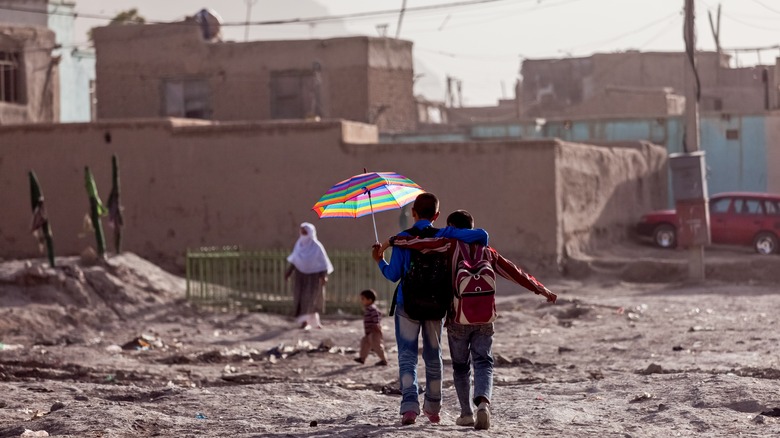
<point x="77" y="299"/>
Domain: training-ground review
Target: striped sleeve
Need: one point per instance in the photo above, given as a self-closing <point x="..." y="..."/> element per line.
<point x="425" y="245"/>
<point x="508" y="270"/>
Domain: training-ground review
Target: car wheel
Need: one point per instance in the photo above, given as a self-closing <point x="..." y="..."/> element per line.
<point x="765" y="243"/>
<point x="665" y="236"/>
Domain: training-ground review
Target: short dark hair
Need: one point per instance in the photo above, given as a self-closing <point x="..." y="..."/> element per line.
<point x="426" y="205"/>
<point x="369" y="294"/>
<point x="460" y="219"/>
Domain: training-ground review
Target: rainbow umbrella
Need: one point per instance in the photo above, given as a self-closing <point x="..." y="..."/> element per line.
<point x="365" y="194"/>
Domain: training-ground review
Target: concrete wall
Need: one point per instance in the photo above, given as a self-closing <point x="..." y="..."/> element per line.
<point x="24" y="12"/>
<point x="617" y="102"/>
<point x="359" y="75"/>
<point x="741" y="149"/>
<point x="187" y="184"/>
<point x="40" y="87"/>
<point x="551" y="86"/>
<point x="772" y="129"/>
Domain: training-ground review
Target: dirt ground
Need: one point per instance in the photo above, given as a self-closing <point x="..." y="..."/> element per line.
<point x="629" y="350"/>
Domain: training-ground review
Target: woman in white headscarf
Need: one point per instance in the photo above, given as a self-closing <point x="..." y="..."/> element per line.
<point x="310" y="266"/>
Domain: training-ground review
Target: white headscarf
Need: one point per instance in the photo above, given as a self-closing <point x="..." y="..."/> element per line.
<point x="309" y="255"/>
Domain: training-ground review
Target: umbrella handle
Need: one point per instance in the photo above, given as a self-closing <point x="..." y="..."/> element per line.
<point x="376" y="235"/>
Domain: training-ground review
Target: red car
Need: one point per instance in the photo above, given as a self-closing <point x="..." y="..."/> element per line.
<point x="736" y="218"/>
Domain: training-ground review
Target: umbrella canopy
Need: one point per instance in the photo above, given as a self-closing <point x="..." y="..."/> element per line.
<point x="367" y="193"/>
<point x="359" y="184"/>
<point x="382" y="199"/>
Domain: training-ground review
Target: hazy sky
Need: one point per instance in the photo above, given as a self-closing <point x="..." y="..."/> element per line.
<point x="484" y="44"/>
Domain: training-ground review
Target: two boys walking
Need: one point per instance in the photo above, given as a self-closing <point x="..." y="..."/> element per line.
<point x="468" y="342"/>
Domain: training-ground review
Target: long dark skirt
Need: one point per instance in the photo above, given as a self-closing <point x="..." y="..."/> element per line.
<point x="308" y="295"/>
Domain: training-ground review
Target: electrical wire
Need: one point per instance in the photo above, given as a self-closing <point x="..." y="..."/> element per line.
<point x="310" y="20"/>
<point x="767" y="7"/>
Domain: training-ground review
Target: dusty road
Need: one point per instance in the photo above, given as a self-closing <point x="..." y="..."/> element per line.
<point x="612" y="358"/>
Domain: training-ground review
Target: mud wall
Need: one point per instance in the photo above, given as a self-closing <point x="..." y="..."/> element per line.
<point x="606" y="189"/>
<point x="190" y="184"/>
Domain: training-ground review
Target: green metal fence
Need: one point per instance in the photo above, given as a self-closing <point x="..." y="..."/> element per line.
<point x="254" y="280"/>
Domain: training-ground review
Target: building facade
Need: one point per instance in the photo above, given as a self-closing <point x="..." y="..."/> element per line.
<point x="171" y="70"/>
<point x="641" y="84"/>
<point x="29" y="80"/>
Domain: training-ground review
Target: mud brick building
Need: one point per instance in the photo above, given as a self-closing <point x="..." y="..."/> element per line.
<point x="172" y="70"/>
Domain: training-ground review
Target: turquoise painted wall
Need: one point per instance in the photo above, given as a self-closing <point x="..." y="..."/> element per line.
<point x="738" y="163"/>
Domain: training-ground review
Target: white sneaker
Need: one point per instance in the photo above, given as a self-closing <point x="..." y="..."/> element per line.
<point x="483" y="416"/>
<point x="465" y="420"/>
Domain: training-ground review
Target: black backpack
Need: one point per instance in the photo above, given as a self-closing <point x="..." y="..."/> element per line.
<point x="427" y="284"/>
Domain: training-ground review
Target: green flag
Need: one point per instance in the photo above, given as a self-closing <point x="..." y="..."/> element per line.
<point x="93" y="193"/>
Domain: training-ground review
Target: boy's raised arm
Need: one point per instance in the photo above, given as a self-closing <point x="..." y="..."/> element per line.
<point x="476" y="235"/>
<point x="422" y="244"/>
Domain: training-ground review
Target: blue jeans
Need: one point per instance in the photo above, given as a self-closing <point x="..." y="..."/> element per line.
<point x="407" y="333"/>
<point x="471" y="343"/>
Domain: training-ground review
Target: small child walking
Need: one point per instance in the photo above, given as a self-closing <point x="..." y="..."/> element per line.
<point x="372" y="318"/>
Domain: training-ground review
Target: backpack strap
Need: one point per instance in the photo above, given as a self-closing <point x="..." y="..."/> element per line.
<point x="465" y="250"/>
<point x="428" y="231"/>
<point x="394" y="301"/>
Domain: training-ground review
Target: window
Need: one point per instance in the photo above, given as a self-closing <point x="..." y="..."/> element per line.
<point x="747" y="206"/>
<point x="188" y="98"/>
<point x="11" y="77"/>
<point x="92" y="100"/>
<point x="771" y="208"/>
<point x="295" y="94"/>
<point x="720" y="206"/>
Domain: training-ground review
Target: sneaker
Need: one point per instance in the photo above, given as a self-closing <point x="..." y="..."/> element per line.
<point x="359" y="360"/>
<point x="381" y="363"/>
<point x="465" y="420"/>
<point x="433" y="418"/>
<point x="483" y="416"/>
<point x="409" y="417"/>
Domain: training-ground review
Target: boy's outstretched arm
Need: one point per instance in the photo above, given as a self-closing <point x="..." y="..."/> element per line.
<point x="508" y="270"/>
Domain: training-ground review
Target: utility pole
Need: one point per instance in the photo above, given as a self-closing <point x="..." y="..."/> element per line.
<point x="249" y="4"/>
<point x="715" y="28"/>
<point x="400" y="20"/>
<point x="688" y="169"/>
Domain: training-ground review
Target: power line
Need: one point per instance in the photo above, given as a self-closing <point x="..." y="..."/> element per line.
<point x="745" y="23"/>
<point x="767" y="7"/>
<point x="355" y="15"/>
<point x="626" y="34"/>
<point x="502" y="15"/>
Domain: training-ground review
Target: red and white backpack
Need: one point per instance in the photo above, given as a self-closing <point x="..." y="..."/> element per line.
<point x="475" y="287"/>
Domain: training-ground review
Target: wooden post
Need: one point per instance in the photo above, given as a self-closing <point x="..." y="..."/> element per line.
<point x="691" y="141"/>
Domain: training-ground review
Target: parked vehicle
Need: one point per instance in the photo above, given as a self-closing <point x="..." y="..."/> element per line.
<point x="736" y="218"/>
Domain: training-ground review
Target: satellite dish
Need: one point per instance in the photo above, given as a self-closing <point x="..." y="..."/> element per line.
<point x="210" y="24"/>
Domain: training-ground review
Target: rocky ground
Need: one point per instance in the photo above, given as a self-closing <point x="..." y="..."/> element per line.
<point x="629" y="350"/>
